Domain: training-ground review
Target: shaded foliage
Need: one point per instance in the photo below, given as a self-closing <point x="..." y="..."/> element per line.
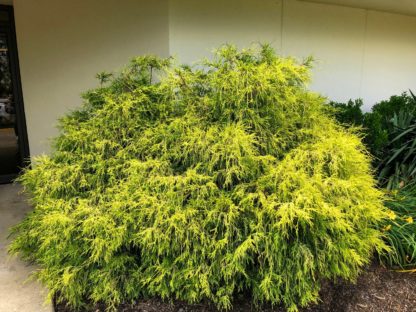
<point x="398" y="168"/>
<point x="389" y="134"/>
<point x="349" y="113"/>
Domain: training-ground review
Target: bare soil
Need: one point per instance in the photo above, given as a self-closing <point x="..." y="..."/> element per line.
<point x="376" y="290"/>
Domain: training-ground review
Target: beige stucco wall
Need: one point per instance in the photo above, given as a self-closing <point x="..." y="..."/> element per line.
<point x="63" y="44"/>
<point x="197" y="27"/>
<point x="389" y="64"/>
<point x="359" y="53"/>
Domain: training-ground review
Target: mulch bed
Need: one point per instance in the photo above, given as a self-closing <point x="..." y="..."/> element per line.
<point x="376" y="290"/>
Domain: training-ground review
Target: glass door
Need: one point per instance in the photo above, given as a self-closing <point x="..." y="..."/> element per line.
<point x="13" y="141"/>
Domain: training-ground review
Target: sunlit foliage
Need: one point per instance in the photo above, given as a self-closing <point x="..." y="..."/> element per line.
<point x="213" y="180"/>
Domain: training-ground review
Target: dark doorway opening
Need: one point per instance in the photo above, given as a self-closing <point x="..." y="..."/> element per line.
<point x="14" y="150"/>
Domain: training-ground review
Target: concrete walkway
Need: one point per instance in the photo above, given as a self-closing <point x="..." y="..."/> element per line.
<point x="16" y="294"/>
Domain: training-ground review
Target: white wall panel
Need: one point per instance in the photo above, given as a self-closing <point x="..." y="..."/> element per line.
<point x="63" y="44"/>
<point x="390" y="56"/>
<point x="334" y="36"/>
<point x="359" y="53"/>
<point x="198" y="27"/>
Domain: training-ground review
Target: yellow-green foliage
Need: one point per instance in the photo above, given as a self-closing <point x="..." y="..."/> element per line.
<point x="215" y="180"/>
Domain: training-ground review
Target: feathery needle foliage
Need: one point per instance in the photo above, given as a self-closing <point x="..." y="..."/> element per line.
<point x="215" y="180"/>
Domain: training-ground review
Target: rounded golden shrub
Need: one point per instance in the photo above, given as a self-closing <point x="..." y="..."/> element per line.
<point x="211" y="181"/>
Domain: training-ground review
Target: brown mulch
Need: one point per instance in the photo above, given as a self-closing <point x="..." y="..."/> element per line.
<point x="376" y="290"/>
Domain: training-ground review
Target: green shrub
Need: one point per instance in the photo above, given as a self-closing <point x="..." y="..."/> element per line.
<point x="350" y="113"/>
<point x="398" y="168"/>
<point x="380" y="127"/>
<point x="401" y="229"/>
<point x="396" y="103"/>
<point x="380" y="122"/>
<point x="216" y="180"/>
<point x="372" y="124"/>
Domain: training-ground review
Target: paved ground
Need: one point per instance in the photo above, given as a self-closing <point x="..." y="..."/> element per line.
<point x="16" y="294"/>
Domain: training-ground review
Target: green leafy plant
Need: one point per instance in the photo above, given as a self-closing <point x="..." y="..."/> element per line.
<point x="371" y="124"/>
<point x="413" y="96"/>
<point x="211" y="181"/>
<point x="401" y="229"/>
<point x="349" y="113"/>
<point x="399" y="166"/>
<point x="382" y="130"/>
<point x="380" y="122"/>
<point x="396" y="103"/>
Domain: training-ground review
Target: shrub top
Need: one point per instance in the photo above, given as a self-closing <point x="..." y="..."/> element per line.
<point x="211" y="181"/>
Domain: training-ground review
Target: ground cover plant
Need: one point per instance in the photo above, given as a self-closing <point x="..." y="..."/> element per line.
<point x="208" y="182"/>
